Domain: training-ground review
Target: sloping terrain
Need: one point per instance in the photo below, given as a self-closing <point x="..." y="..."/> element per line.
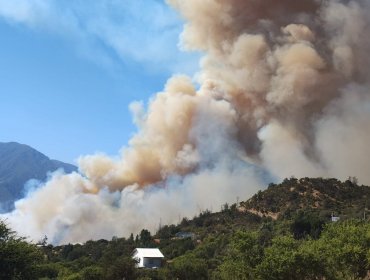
<point x="283" y="232"/>
<point x="325" y="196"/>
<point x="20" y="163"/>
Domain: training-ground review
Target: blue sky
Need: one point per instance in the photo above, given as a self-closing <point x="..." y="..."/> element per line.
<point x="70" y="69"/>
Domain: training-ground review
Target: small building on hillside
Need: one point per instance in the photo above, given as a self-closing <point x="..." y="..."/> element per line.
<point x="148" y="257"/>
<point x="334" y="218"/>
<point x="183" y="235"/>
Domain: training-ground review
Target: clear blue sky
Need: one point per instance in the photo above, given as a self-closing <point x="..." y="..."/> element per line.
<point x="70" y="69"/>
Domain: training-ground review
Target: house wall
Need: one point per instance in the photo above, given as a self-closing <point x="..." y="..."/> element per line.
<point x="152" y="262"/>
<point x="140" y="264"/>
<point x="149" y="262"/>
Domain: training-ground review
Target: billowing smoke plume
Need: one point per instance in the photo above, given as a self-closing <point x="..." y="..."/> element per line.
<point x="283" y="90"/>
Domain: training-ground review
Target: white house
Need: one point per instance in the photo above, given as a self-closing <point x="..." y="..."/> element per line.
<point x="334" y="218"/>
<point x="148" y="257"/>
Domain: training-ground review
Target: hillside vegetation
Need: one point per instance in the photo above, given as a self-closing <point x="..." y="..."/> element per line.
<point x="284" y="232"/>
<point x="324" y="196"/>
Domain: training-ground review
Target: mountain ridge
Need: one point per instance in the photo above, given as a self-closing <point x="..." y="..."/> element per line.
<point x="328" y="196"/>
<point x="18" y="164"/>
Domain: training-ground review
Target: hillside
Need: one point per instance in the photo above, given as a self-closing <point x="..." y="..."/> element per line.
<point x="283" y="232"/>
<point x="280" y="202"/>
<point x="324" y="196"/>
<point x="20" y="163"/>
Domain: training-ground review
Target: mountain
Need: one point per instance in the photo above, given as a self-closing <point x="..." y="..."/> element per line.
<point x="20" y="163"/>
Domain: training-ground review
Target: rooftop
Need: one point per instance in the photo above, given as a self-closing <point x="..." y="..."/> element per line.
<point x="149" y="252"/>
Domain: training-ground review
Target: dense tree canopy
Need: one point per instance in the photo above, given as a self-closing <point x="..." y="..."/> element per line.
<point x="18" y="258"/>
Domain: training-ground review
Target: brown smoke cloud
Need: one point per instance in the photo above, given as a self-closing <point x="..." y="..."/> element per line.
<point x="283" y="90"/>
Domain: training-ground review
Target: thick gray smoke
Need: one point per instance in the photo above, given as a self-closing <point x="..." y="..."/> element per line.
<point x="283" y="90"/>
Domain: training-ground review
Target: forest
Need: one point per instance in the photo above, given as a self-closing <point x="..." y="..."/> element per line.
<point x="283" y="232"/>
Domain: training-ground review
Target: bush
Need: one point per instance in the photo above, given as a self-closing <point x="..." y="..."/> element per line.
<point x="18" y="259"/>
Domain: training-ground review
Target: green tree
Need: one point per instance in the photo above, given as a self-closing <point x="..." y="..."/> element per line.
<point x="18" y="259"/>
<point x="50" y="270"/>
<point x="279" y="260"/>
<point x="341" y="252"/>
<point x="345" y="247"/>
<point x="305" y="224"/>
<point x="188" y="267"/>
<point x="92" y="273"/>
<point x="243" y="255"/>
<point x="122" y="268"/>
<point x="145" y="238"/>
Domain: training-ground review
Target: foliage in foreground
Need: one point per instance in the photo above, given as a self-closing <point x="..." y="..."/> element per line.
<point x="341" y="252"/>
<point x="18" y="259"/>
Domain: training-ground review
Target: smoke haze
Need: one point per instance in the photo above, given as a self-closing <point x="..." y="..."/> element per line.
<point x="283" y="90"/>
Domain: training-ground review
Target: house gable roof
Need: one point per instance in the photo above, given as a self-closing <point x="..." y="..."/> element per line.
<point x="148" y="252"/>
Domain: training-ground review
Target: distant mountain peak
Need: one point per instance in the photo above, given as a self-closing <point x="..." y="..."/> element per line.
<point x="20" y="163"/>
